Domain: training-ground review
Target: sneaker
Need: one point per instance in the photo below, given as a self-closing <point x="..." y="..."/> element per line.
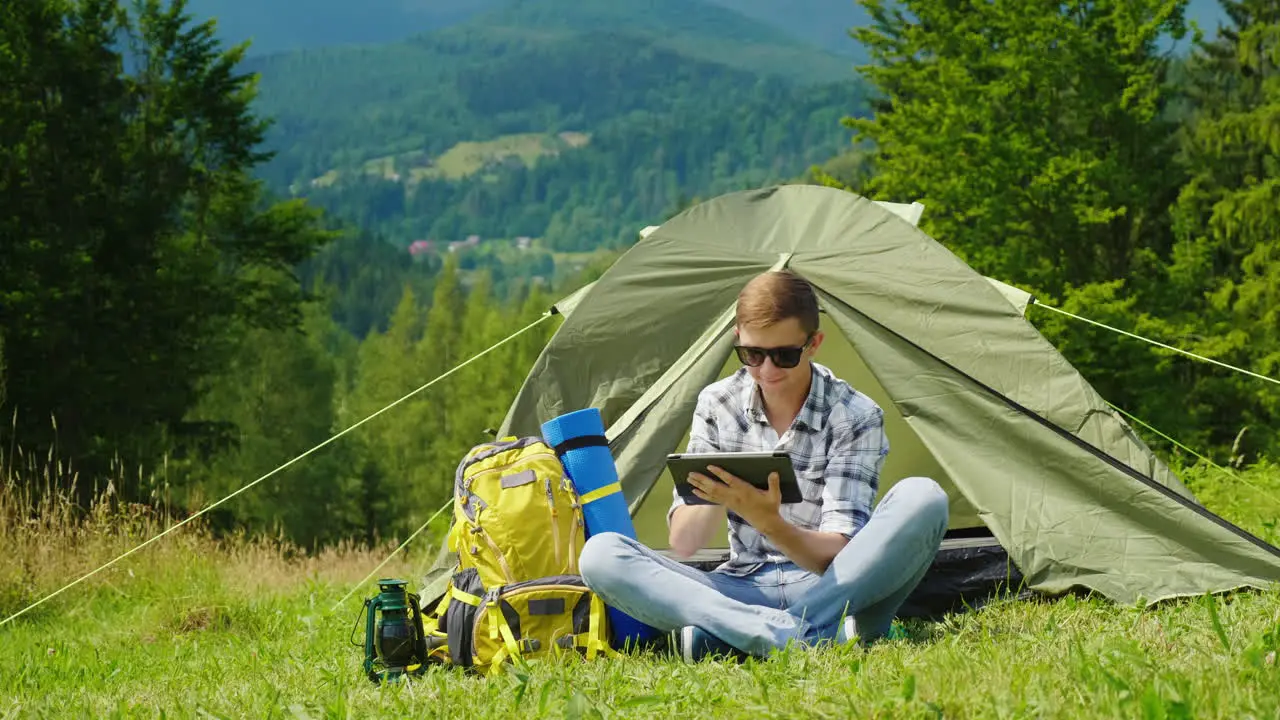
<point x="693" y="643"/>
<point x="848" y="632"/>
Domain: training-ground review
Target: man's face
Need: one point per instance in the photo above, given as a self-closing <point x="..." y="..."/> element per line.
<point x="787" y="336"/>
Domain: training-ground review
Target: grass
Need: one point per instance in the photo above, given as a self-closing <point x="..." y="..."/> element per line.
<point x="196" y="626"/>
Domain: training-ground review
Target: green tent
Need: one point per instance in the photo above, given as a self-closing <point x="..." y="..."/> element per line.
<point x="1049" y="486"/>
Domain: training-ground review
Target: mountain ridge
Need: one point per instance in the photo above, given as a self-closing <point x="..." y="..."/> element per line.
<point x="528" y="67"/>
<point x="273" y="28"/>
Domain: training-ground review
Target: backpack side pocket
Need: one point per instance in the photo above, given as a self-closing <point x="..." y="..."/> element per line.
<point x="465" y="592"/>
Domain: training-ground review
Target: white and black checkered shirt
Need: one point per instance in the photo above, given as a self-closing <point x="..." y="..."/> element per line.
<point x="837" y="444"/>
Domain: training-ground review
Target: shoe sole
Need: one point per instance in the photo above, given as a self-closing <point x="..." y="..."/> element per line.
<point x="686" y="644"/>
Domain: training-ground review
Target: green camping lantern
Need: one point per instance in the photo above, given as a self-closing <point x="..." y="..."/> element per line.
<point x="394" y="641"/>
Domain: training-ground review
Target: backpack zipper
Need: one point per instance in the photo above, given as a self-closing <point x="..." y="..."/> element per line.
<point x="502" y="559"/>
<point x="555" y="530"/>
<point x="471" y="478"/>
<point x="576" y="516"/>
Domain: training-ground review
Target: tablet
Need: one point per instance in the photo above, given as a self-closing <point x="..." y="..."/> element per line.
<point x="753" y="467"/>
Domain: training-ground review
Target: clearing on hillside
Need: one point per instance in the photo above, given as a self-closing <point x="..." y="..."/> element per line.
<point x="464" y="159"/>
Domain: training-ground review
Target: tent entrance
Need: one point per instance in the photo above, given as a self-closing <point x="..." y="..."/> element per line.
<point x="971" y="566"/>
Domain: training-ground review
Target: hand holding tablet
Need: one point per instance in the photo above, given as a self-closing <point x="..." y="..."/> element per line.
<point x="751" y="467"/>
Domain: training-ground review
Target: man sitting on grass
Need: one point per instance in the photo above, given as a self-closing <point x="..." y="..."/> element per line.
<point x="825" y="569"/>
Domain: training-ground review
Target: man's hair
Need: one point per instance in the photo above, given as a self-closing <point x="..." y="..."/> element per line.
<point x="776" y="295"/>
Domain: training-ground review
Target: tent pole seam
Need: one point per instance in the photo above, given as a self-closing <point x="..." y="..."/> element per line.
<point x="614" y="433"/>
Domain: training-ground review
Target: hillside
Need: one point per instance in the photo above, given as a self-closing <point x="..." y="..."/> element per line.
<point x="699" y="29"/>
<point x="554" y="125"/>
<point x="536" y="66"/>
<point x="285" y="25"/>
<point x="824" y="23"/>
<point x="528" y="120"/>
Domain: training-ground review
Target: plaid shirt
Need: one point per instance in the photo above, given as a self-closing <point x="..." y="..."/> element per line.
<point x="837" y="444"/>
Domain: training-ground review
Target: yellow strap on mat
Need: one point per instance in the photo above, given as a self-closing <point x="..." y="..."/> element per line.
<point x="465" y="597"/>
<point x="593" y="645"/>
<point x="601" y="492"/>
<point x="508" y="637"/>
<point x="498" y="625"/>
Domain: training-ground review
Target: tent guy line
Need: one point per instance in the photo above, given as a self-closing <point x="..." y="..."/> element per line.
<point x="1037" y="303"/>
<point x="402" y="546"/>
<point x="1225" y="471"/>
<point x="206" y="509"/>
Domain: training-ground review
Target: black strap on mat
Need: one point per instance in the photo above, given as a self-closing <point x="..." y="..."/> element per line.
<point x="582" y="441"/>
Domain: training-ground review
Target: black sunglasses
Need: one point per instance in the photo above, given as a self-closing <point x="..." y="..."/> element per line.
<point x="783" y="357"/>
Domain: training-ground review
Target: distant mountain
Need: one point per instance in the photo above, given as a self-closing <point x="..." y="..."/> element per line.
<point x="825" y="23"/>
<point x="565" y="120"/>
<point x="532" y="66"/>
<point x="699" y="29"/>
<point x="275" y="26"/>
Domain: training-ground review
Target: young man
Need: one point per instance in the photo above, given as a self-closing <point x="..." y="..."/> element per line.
<point x="826" y="569"/>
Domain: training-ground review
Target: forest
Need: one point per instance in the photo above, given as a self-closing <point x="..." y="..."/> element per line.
<point x="173" y="322"/>
<point x="529" y="122"/>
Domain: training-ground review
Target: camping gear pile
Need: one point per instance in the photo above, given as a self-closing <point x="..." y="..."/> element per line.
<point x="520" y="519"/>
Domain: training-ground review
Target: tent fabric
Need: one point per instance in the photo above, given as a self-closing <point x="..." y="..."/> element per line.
<point x="1021" y="442"/>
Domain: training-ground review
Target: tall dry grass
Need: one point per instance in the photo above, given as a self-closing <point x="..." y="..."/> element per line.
<point x="49" y="539"/>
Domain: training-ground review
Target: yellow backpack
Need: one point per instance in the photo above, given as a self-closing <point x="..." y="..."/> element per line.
<point x="517" y="531"/>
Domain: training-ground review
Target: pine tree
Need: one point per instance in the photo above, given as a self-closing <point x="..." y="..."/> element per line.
<point x="278" y="394"/>
<point x="1227" y="274"/>
<point x="438" y="423"/>
<point x="135" y="237"/>
<point x="394" y="442"/>
<point x="1035" y="136"/>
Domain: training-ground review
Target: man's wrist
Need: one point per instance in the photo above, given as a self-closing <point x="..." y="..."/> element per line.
<point x="768" y="525"/>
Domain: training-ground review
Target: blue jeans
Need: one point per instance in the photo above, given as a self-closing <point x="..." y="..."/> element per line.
<point x="778" y="603"/>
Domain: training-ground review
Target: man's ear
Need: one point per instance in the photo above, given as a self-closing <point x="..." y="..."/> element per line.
<point x="817" y="340"/>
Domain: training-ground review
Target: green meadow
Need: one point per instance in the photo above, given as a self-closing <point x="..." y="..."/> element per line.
<point x="200" y="626"/>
